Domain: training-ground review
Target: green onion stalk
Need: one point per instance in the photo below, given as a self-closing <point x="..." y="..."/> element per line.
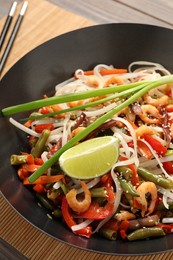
<point x="140" y="90"/>
<point x="67" y="98"/>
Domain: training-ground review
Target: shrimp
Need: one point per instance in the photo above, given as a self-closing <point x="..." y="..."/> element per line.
<point x="76" y="205"/>
<point x="75" y="103"/>
<point x="124" y="215"/>
<point x="77" y="130"/>
<point x="144" y="129"/>
<point x="147" y="111"/>
<point x="114" y="80"/>
<point x="144" y="189"/>
<point x="161" y="101"/>
<point x="93" y="81"/>
<point x="171" y="128"/>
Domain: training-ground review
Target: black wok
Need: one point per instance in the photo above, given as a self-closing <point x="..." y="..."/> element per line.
<point x="37" y="73"/>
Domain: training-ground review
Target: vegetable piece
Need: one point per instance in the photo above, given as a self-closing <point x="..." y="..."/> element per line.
<point x="20" y="159"/>
<point x="149" y="221"/>
<point x="168" y="228"/>
<point x="30" y="167"/>
<point x="99" y="192"/>
<point x="155" y="144"/>
<point x="87" y="231"/>
<point x="108" y="233"/>
<point x="168" y="166"/>
<point x="39" y="188"/>
<point x="39" y="147"/>
<point x="44" y="179"/>
<point x="157" y="179"/>
<point x="57" y="213"/>
<point x="144" y="233"/>
<point x="128" y="188"/>
<point x="96" y="212"/>
<point x="105" y="72"/>
<point x="45" y="201"/>
<point x="144" y="150"/>
<point x="41" y="127"/>
<point x="144" y="89"/>
<point x="125" y="171"/>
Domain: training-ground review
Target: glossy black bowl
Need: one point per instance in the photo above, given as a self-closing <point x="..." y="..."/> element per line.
<point x="37" y="73"/>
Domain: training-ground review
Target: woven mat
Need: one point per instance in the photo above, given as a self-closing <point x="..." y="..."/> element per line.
<point x="42" y="22"/>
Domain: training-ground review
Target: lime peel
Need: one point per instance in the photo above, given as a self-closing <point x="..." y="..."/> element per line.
<point x="91" y="158"/>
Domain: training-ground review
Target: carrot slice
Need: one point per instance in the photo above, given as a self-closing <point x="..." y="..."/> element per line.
<point x="105" y="72"/>
<point x="44" y="179"/>
<point x="39" y="188"/>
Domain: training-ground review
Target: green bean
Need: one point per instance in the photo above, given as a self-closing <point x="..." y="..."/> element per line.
<point x="32" y="141"/>
<point x="128" y="187"/>
<point x="39" y="147"/>
<point x="125" y="171"/>
<point x="144" y="233"/>
<point x="64" y="187"/>
<point x="18" y="159"/>
<point x="53" y="193"/>
<point x="100" y="192"/>
<point x="157" y="179"/>
<point x="108" y="233"/>
<point x="57" y="213"/>
<point x="45" y="201"/>
<point x="162" y="206"/>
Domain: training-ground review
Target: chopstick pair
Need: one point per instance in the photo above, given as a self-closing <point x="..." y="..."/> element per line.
<point x="14" y="32"/>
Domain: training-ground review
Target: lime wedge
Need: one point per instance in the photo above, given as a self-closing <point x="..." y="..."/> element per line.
<point x="91" y="158"/>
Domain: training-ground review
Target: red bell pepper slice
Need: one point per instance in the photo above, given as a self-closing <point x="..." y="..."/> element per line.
<point x="168" y="228"/>
<point x="39" y="128"/>
<point x="155" y="144"/>
<point x="110" y="194"/>
<point x="39" y="188"/>
<point x="87" y="231"/>
<point x="168" y="166"/>
<point x="96" y="212"/>
<point x="144" y="150"/>
<point x="112" y="224"/>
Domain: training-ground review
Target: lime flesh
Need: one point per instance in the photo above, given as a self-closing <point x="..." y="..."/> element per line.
<point x="91" y="158"/>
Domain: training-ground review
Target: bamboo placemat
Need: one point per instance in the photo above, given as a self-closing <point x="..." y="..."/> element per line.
<point x="44" y="21"/>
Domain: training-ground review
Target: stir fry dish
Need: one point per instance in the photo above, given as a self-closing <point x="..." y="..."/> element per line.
<point x="101" y="151"/>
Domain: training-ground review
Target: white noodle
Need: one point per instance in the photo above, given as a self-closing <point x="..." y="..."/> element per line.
<point x="82" y="225"/>
<point x="23" y="128"/>
<point x="101" y="111"/>
<point x="90" y="184"/>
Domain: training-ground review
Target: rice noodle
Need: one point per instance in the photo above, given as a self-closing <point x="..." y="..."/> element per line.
<point x="100" y="111"/>
<point x="23" y="128"/>
<point x="82" y="225"/>
<point x="90" y="184"/>
<point x="152" y="66"/>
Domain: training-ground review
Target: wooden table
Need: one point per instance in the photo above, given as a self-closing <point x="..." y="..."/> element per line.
<point x="43" y="21"/>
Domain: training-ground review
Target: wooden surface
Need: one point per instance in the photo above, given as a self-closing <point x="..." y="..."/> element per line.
<point x="157" y="12"/>
<point x="44" y="21"/>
